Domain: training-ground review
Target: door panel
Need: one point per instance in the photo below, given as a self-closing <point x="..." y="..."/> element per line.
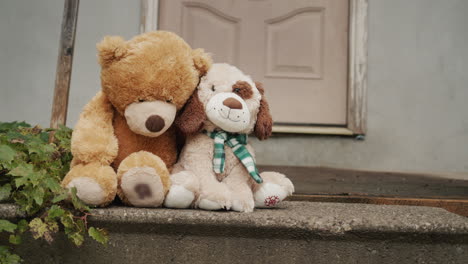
<point x="297" y="48"/>
<point x="285" y="56"/>
<point x="222" y="40"/>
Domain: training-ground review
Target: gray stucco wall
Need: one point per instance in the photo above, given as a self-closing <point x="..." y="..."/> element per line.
<point x="29" y="38"/>
<point x="418" y="81"/>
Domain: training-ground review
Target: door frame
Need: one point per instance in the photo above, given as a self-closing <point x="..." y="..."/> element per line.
<point x="357" y="70"/>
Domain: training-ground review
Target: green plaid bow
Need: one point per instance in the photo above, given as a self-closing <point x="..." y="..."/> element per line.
<point x="237" y="142"/>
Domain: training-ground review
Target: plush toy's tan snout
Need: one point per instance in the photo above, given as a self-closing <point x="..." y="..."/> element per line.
<point x="150" y="118"/>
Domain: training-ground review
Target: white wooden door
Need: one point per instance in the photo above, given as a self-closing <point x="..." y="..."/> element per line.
<point x="297" y="48"/>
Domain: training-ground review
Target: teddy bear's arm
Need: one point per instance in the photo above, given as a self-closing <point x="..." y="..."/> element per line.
<point x="93" y="138"/>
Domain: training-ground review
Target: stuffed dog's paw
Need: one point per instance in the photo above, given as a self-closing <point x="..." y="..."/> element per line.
<point x="209" y="205"/>
<point x="243" y="205"/>
<point x="269" y="195"/>
<point x="183" y="190"/>
<point x="275" y="188"/>
<point x="215" y="200"/>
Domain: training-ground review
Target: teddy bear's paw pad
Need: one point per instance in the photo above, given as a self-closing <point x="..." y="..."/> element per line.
<point x="269" y="195"/>
<point x="206" y="204"/>
<point x="245" y="206"/>
<point x="179" y="197"/>
<point x="88" y="190"/>
<point x="142" y="187"/>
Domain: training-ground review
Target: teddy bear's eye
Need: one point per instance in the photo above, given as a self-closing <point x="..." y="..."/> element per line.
<point x="169" y="101"/>
<point x="141" y="100"/>
<point x="212" y="88"/>
<point x="237" y="90"/>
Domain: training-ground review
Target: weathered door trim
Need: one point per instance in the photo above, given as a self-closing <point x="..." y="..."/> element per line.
<point x="149" y="11"/>
<point x="357" y="70"/>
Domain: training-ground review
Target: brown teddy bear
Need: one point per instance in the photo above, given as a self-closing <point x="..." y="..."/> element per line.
<point x="124" y="142"/>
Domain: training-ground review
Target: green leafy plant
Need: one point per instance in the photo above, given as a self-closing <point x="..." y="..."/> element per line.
<point x="31" y="170"/>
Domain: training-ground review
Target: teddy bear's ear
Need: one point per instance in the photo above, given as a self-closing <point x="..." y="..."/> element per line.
<point x="202" y="61"/>
<point x="111" y="49"/>
<point x="264" y="125"/>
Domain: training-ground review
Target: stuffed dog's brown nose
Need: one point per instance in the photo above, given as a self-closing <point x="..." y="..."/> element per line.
<point x="154" y="123"/>
<point x="232" y="103"/>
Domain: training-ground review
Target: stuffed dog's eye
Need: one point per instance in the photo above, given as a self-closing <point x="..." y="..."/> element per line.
<point x="141" y="100"/>
<point x="169" y="101"/>
<point x="212" y="88"/>
<point x="237" y="90"/>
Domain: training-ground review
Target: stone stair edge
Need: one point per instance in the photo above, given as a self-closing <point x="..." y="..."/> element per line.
<point x="311" y="217"/>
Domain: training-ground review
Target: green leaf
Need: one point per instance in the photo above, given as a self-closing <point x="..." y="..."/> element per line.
<point x="22" y="170"/>
<point x="3" y="250"/>
<point x="7" y="154"/>
<point x="99" y="234"/>
<point x="67" y="221"/>
<point x="63" y="136"/>
<point x="5" y="191"/>
<point x="76" y="238"/>
<point x="77" y="203"/>
<point x="53" y="185"/>
<point x="44" y="136"/>
<point x="60" y="197"/>
<point x="38" y="228"/>
<point x="52" y="226"/>
<point x="5" y="126"/>
<point x="38" y="195"/>
<point x="21" y="181"/>
<point x="74" y="228"/>
<point x="43" y="229"/>
<point x="23" y="226"/>
<point x="55" y="211"/>
<point x="25" y="173"/>
<point x="7" y="226"/>
<point x="38" y="147"/>
<point x="13" y="259"/>
<point x="15" y="239"/>
<point x="6" y="257"/>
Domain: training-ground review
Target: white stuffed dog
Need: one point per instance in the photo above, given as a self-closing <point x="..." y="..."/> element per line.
<point x="216" y="169"/>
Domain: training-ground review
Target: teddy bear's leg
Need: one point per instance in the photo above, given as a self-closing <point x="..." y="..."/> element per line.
<point x="275" y="188"/>
<point x="143" y="180"/>
<point x="95" y="184"/>
<point x="184" y="189"/>
<point x="241" y="191"/>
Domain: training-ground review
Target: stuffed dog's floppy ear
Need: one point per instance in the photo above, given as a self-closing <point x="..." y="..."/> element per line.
<point x="202" y="61"/>
<point x="111" y="49"/>
<point x="264" y="124"/>
<point x="191" y="119"/>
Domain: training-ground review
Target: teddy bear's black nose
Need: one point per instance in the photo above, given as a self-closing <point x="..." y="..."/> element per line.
<point x="154" y="123"/>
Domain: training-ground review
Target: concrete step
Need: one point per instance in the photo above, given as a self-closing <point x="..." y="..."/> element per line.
<point x="298" y="232"/>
